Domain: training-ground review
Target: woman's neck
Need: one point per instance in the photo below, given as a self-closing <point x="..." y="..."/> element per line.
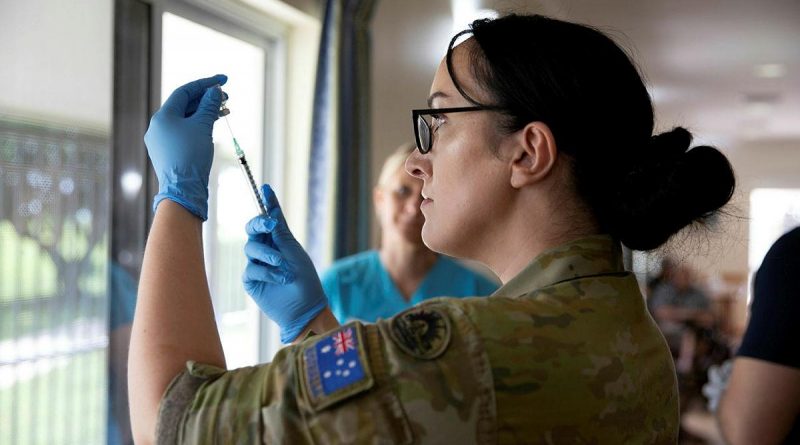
<point x="528" y="234"/>
<point x="508" y="263"/>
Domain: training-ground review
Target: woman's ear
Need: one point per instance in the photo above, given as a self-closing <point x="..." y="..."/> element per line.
<point x="534" y="154"/>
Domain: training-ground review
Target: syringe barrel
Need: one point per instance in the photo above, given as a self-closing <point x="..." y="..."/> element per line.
<point x="253" y="186"/>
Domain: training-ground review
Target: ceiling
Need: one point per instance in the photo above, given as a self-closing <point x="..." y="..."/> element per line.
<point x="700" y="59"/>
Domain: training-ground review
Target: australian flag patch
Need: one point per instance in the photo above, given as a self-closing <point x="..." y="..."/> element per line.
<point x="335" y="366"/>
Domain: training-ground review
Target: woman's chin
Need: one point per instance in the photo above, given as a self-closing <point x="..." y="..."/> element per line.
<point x="432" y="241"/>
<point x="449" y="241"/>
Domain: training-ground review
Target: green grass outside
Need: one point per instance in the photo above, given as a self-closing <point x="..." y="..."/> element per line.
<point x="42" y="317"/>
<point x="65" y="405"/>
<point x="27" y="271"/>
<point x="28" y="276"/>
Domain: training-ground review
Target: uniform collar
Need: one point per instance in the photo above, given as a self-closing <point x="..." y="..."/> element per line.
<point x="593" y="255"/>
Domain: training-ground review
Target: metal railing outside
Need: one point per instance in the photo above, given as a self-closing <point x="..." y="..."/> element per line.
<point x="54" y="214"/>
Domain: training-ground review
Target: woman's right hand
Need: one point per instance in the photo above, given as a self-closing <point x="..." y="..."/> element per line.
<point x="280" y="276"/>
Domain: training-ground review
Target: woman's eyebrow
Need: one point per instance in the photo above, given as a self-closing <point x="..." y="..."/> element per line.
<point x="435" y="95"/>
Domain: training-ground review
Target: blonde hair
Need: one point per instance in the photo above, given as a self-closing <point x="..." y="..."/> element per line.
<point x="395" y="161"/>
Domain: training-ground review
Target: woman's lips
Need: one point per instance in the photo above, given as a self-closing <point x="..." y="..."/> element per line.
<point x="425" y="202"/>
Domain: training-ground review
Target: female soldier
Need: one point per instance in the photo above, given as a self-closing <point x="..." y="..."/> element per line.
<point x="538" y="160"/>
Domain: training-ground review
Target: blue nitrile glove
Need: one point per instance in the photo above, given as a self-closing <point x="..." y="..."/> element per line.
<point x="280" y="275"/>
<point x="180" y="146"/>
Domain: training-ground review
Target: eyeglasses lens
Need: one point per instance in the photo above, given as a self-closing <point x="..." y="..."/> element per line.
<point x="423" y="134"/>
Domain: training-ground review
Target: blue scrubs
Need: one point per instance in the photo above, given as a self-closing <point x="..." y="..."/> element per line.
<point x="360" y="288"/>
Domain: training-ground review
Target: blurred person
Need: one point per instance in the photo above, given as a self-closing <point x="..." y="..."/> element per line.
<point x="761" y="400"/>
<point x="677" y="302"/>
<point x="122" y="303"/>
<point x="664" y="275"/>
<point x="683" y="313"/>
<point x="403" y="272"/>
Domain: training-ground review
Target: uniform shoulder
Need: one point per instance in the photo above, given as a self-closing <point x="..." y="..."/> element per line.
<point x="469" y="307"/>
<point x="465" y="302"/>
<point x="393" y="372"/>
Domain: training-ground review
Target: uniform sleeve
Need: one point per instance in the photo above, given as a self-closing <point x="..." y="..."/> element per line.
<point x="421" y="376"/>
<point x="431" y="382"/>
<point x="208" y="405"/>
<point x="773" y="329"/>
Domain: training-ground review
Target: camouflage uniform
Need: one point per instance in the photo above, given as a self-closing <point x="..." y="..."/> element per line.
<point x="564" y="353"/>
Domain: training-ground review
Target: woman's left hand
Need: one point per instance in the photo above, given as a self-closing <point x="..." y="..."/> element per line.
<point x="280" y="275"/>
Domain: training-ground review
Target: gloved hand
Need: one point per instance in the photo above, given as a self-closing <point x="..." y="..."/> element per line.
<point x="179" y="144"/>
<point x="280" y="275"/>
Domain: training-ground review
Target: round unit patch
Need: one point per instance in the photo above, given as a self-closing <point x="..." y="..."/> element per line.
<point x="422" y="332"/>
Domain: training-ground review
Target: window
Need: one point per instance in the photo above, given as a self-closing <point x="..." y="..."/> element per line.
<point x="192" y="48"/>
<point x="65" y="306"/>
<point x="54" y="221"/>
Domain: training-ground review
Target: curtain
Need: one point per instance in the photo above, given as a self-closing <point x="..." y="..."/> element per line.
<point x="338" y="218"/>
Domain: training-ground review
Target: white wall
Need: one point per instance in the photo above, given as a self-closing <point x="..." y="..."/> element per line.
<point x="409" y="38"/>
<point x="57" y="61"/>
<point x="766" y="164"/>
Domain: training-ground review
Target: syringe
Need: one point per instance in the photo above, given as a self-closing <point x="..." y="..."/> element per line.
<point x="224" y="112"/>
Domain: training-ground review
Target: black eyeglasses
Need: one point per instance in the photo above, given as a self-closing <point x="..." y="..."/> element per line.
<point x="423" y="130"/>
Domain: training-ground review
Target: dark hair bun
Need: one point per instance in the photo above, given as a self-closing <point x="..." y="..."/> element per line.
<point x="641" y="189"/>
<point x="667" y="188"/>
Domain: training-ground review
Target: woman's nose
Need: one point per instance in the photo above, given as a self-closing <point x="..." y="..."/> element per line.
<point x="416" y="165"/>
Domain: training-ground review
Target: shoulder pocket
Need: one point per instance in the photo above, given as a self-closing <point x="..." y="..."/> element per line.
<point x="346" y="392"/>
<point x="334" y="367"/>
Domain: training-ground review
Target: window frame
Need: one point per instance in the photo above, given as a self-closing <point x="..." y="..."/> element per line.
<point x="137" y="95"/>
<point x="254" y="27"/>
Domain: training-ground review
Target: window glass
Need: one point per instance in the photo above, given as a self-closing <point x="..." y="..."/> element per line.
<point x="190" y="51"/>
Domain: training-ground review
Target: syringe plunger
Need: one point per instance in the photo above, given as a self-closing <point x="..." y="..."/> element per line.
<point x="224" y="112"/>
<point x="253" y="186"/>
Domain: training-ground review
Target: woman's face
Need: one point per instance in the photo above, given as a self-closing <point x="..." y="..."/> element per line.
<point x="466" y="187"/>
<point x="397" y="204"/>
